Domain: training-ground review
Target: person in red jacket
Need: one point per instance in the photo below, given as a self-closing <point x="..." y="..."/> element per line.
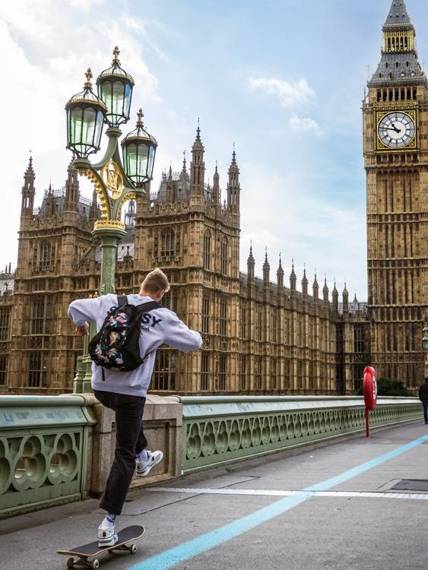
<point x="423" y="397"/>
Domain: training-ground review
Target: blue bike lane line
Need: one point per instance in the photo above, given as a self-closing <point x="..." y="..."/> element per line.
<point x="207" y="541"/>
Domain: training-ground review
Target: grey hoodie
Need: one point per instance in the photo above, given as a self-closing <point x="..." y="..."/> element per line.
<point x="159" y="326"/>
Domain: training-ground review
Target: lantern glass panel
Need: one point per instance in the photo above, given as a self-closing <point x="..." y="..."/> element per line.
<point x="127" y="100"/>
<point x="151" y="163"/>
<point x="88" y="127"/>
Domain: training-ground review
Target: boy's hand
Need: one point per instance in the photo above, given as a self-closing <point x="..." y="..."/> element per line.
<point x="82" y="330"/>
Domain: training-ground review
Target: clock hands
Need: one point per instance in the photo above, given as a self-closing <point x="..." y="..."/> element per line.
<point x="393" y="128"/>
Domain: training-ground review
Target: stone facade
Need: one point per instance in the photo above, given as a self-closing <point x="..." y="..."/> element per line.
<point x="395" y="113"/>
<point x="259" y="336"/>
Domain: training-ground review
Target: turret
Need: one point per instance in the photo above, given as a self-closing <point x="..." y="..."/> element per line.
<point x="197" y="169"/>
<point x="315" y="289"/>
<point x="72" y="193"/>
<point x="28" y="191"/>
<point x="130" y="214"/>
<point x="266" y="271"/>
<point x="325" y="291"/>
<point x="345" y="300"/>
<point x="233" y="185"/>
<point x="293" y="278"/>
<point x="305" y="284"/>
<point x="250" y="266"/>
<point x="216" y="187"/>
<point x="280" y="274"/>
<point x="335" y="299"/>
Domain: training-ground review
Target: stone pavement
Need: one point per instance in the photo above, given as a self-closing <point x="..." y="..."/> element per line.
<point x="246" y="516"/>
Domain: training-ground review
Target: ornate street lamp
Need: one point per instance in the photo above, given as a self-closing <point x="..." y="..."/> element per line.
<point x="85" y="118"/>
<point x="139" y="151"/>
<point x="115" y="89"/>
<point x="115" y="181"/>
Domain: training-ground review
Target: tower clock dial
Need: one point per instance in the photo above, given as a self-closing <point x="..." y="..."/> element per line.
<point x="397" y="130"/>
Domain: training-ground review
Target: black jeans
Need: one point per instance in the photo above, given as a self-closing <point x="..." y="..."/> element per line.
<point x="130" y="441"/>
<point x="425" y="412"/>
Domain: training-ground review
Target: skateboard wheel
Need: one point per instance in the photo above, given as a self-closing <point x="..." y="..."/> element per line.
<point x="95" y="564"/>
<point x="70" y="563"/>
<point x="133" y="548"/>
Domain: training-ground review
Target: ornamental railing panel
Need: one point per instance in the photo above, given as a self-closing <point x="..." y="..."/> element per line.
<point x="43" y="451"/>
<point x="224" y="429"/>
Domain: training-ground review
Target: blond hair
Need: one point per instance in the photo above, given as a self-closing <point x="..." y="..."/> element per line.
<point x="155" y="281"/>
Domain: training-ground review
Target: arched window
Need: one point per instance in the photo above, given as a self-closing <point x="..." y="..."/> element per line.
<point x="223" y="256"/>
<point x="167" y="243"/>
<point x="46" y="257"/>
<point x="207" y="250"/>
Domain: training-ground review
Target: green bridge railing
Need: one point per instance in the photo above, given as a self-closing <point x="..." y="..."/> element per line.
<point x="218" y="430"/>
<point x="43" y="451"/>
<point x="56" y="449"/>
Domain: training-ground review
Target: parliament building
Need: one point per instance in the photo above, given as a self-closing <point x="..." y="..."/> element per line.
<point x="273" y="334"/>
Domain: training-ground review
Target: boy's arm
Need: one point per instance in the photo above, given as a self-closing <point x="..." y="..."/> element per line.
<point x="82" y="311"/>
<point x="179" y="336"/>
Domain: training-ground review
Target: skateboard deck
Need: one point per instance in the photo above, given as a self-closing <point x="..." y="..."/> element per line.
<point x="87" y="554"/>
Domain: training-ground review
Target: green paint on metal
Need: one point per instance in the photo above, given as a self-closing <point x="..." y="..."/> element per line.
<point x="217" y="431"/>
<point x="43" y="448"/>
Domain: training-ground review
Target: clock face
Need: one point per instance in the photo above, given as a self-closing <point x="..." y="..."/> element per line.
<point x="397" y="130"/>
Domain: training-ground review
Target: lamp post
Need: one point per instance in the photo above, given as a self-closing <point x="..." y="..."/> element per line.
<point x="114" y="180"/>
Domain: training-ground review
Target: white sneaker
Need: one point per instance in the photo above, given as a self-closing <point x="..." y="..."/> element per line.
<point x="143" y="468"/>
<point x="106" y="534"/>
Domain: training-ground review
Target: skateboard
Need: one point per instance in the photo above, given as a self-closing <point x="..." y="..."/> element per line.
<point x="88" y="554"/>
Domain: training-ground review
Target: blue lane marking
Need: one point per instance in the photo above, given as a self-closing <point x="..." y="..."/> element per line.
<point x="173" y="556"/>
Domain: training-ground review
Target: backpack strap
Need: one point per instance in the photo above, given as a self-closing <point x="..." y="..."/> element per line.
<point x="122" y="300"/>
<point x="146" y="307"/>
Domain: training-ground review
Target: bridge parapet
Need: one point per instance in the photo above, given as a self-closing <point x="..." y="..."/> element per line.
<point x="57" y="449"/>
<point x="221" y="429"/>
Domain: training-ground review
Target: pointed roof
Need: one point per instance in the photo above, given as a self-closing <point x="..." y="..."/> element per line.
<point x="280" y="270"/>
<point x="397" y="16"/>
<point x="197" y="145"/>
<point x="30" y="170"/>
<point x="251" y="256"/>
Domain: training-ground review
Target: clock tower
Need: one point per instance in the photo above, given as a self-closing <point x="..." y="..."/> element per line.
<point x="395" y="113"/>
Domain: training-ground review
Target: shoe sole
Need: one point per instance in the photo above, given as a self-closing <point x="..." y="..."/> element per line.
<point x="148" y="469"/>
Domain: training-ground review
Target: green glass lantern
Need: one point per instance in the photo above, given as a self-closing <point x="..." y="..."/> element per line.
<point x="85" y="119"/>
<point x="139" y="151"/>
<point x="115" y="89"/>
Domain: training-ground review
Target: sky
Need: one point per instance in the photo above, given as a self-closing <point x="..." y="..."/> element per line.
<point x="283" y="80"/>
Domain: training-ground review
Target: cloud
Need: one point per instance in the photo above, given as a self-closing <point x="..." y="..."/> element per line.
<point x="49" y="45"/>
<point x="303" y="225"/>
<point x="289" y="93"/>
<point x="305" y="124"/>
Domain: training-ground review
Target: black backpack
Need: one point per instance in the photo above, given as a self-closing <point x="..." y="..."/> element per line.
<point x="116" y="345"/>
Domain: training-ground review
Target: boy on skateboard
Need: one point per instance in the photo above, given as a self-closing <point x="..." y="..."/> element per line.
<point x="125" y="391"/>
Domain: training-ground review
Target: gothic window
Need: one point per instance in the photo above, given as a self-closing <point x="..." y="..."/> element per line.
<point x="169" y="300"/>
<point x="258" y="373"/>
<point x="205" y="371"/>
<point x="274" y="326"/>
<point x="41" y="318"/>
<point x="4" y="322"/>
<point x="243" y="321"/>
<point x="37" y="370"/>
<point x="274" y="376"/>
<point x="223" y="317"/>
<point x="205" y="314"/>
<point x="243" y="372"/>
<point x="165" y="370"/>
<point x="167" y="243"/>
<point x="259" y="323"/>
<point x="358" y="339"/>
<point x="46" y="257"/>
<point x="223" y="256"/>
<point x="207" y="250"/>
<point x="3" y="370"/>
<point x="222" y="369"/>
